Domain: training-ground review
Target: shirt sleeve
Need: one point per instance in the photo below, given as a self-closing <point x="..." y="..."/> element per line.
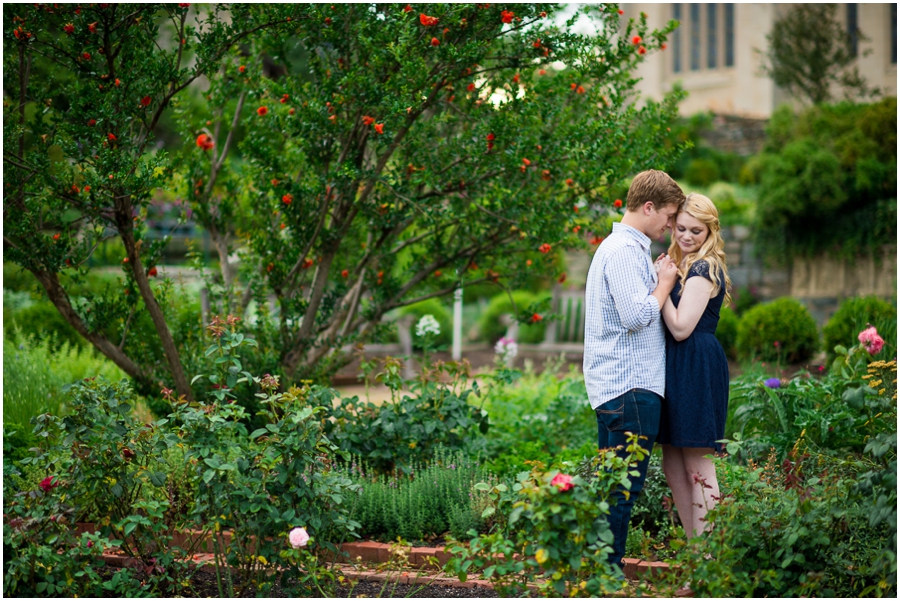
<point x="634" y="304"/>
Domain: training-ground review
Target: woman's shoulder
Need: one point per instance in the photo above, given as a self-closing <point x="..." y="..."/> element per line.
<point x="699" y="267"/>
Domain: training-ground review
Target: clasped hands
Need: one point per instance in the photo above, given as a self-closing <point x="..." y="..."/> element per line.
<point x="666" y="269"/>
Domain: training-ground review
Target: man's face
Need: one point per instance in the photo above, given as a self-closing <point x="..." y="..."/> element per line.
<point x="660" y="221"/>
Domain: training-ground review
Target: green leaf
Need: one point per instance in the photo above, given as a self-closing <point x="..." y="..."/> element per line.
<point x="489" y="511"/>
<point x="129" y="528"/>
<point x="482" y="486"/>
<point x="208" y="475"/>
<point x="212" y="462"/>
<point x="158" y="478"/>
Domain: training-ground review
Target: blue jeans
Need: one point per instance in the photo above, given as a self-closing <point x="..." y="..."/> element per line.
<point x="637" y="411"/>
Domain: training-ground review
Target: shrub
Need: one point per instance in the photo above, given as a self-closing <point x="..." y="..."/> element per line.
<point x="434" y="307"/>
<point x="727" y="331"/>
<point x="42" y="321"/>
<point x="702" y="172"/>
<point x="853" y="316"/>
<point x="743" y="299"/>
<point x="492" y="329"/>
<point x="781" y="330"/>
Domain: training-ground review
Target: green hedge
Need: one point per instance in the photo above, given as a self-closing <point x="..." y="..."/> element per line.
<point x="853" y="316"/>
<point x="726" y="331"/>
<point x="780" y="330"/>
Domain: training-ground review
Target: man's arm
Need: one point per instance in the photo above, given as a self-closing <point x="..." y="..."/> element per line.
<point x="635" y="304"/>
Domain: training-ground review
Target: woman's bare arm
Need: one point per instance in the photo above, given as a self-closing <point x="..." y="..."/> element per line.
<point x="694" y="298"/>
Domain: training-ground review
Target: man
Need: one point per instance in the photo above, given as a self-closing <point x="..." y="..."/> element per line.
<point x="624" y="342"/>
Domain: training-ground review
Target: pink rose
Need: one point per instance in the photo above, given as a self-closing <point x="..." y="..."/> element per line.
<point x="871" y="341"/>
<point x="562" y="481"/>
<point x="47" y="483"/>
<point x="298" y="537"/>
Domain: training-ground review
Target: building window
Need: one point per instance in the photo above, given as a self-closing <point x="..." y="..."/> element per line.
<point x="852" y="27"/>
<point x="729" y="35"/>
<point x="711" y="37"/>
<point x="676" y="39"/>
<point x="695" y="37"/>
<point x="894" y="33"/>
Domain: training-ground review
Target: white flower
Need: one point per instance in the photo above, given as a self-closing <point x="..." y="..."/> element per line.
<point x="298" y="537"/>
<point x="428" y="325"/>
<point x="506" y="348"/>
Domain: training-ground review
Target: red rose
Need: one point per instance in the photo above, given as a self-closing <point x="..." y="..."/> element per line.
<point x="69" y="28"/>
<point x="86" y="56"/>
<point x="516" y="78"/>
<point x="427" y="21"/>
<point x="618" y="204"/>
<point x="435" y="42"/>
<point x="92" y="122"/>
<point x="490" y="137"/>
<point x="471" y="87"/>
<point x="184" y="4"/>
<point x="507" y="16"/>
<point x="621" y="12"/>
<point x="642" y="50"/>
<point x="636" y="40"/>
<point x="545" y="248"/>
<point x="346" y="273"/>
<point x="284" y="98"/>
<point x="367" y="121"/>
<point x="242" y="68"/>
<point x="407" y="8"/>
<point x="118" y="82"/>
<point x="152" y="272"/>
<point x="562" y="481"/>
<point x="596" y="240"/>
<point x="47" y="484"/>
<point x="261" y="111"/>
<point x="537" y="44"/>
<point x="127" y="453"/>
<point x="111" y="137"/>
<point x="379" y="128"/>
<point x="205" y="142"/>
<point x="536" y="318"/>
<point x="56" y="236"/>
<point x="573" y="86"/>
<point x="580" y="90"/>
<point x="287" y="199"/>
<point x="146" y="100"/>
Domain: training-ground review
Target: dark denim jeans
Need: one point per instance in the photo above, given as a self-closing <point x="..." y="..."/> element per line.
<point x="637" y="411"/>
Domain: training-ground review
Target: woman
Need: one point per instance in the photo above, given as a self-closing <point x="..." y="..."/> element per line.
<point x="696" y="401"/>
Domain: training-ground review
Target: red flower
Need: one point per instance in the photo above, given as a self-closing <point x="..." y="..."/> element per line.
<point x="437" y="273"/>
<point x="435" y="42"/>
<point x="287" y="199"/>
<point x="662" y="46"/>
<point x="56" y="236"/>
<point x="152" y="272"/>
<point x="327" y="20"/>
<point x="111" y="137"/>
<point x="427" y="21"/>
<point x="261" y="111"/>
<point x="333" y="118"/>
<point x="537" y="44"/>
<point x="543" y="14"/>
<point x="528" y="263"/>
<point x="561" y="278"/>
<point x="274" y="182"/>
<point x="87" y="189"/>
<point x="596" y="240"/>
<point x="569" y="181"/>
<point x="576" y="229"/>
<point x="545" y="175"/>
<point x="542" y="72"/>
<point x="379" y="128"/>
<point x="146" y="100"/>
<point x="346" y="273"/>
<point x="407" y="8"/>
<point x="507" y="16"/>
<point x="48" y="483"/>
<point x="636" y="40"/>
<point x="184" y="4"/>
<point x="621" y="12"/>
<point x="92" y="122"/>
<point x="490" y="137"/>
<point x="284" y="98"/>
<point x="86" y="56"/>
<point x="93" y="27"/>
<point x="516" y="78"/>
<point x="291" y="112"/>
<point x="526" y="161"/>
<point x="76" y="189"/>
<point x="562" y="481"/>
<point x="205" y="142"/>
<point x="307" y="263"/>
<point x="367" y="121"/>
<point x="282" y="226"/>
<point x="618" y="204"/>
<point x="118" y="82"/>
<point x="125" y="260"/>
<point x="536" y="318"/>
<point x="573" y="86"/>
<point x="580" y="90"/>
<point x="544" y="248"/>
<point x="471" y="87"/>
<point x="642" y="50"/>
<point x="242" y="68"/>
<point x="69" y="28"/>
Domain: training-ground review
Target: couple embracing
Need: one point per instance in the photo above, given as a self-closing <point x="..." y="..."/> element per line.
<point x="652" y="364"/>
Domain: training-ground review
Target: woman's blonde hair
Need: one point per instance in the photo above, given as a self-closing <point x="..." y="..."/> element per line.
<point x="713" y="249"/>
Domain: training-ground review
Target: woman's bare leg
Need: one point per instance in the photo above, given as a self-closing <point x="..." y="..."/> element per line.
<point x="680" y="483"/>
<point x="701" y="472"/>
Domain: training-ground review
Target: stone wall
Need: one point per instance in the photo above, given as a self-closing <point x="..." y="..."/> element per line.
<point x="741" y="135"/>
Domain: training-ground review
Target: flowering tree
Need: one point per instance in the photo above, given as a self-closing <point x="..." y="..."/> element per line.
<point x="357" y="158"/>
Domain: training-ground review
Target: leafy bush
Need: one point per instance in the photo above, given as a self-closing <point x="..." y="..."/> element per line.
<point x="780" y="330"/>
<point x="853" y="316"/>
<point x="727" y="330"/>
<point x="35" y="373"/>
<point x="743" y="299"/>
<point x="492" y="329"/>
<point x="42" y="321"/>
<point x="434" y="307"/>
<point x="702" y="172"/>
<point x="828" y="180"/>
<point x="436" y="497"/>
<point x="551" y="525"/>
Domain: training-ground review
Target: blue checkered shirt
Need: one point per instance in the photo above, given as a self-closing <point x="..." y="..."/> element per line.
<point x="624" y="343"/>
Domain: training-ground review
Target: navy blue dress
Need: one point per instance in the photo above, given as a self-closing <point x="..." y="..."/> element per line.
<point x="696" y="401"/>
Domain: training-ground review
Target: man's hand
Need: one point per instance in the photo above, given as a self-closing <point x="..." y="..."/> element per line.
<point x="667" y="272"/>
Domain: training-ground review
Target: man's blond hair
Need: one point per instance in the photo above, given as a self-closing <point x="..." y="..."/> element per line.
<point x="656" y="187"/>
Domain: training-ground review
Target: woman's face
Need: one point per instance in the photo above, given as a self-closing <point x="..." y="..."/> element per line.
<point x="690" y="233"/>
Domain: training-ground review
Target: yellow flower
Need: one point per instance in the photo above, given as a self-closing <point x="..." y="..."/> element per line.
<point x="262" y="560"/>
<point x="541" y="556"/>
<point x="412" y="445"/>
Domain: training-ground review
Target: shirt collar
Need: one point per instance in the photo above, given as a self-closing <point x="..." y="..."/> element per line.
<point x="637" y="235"/>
